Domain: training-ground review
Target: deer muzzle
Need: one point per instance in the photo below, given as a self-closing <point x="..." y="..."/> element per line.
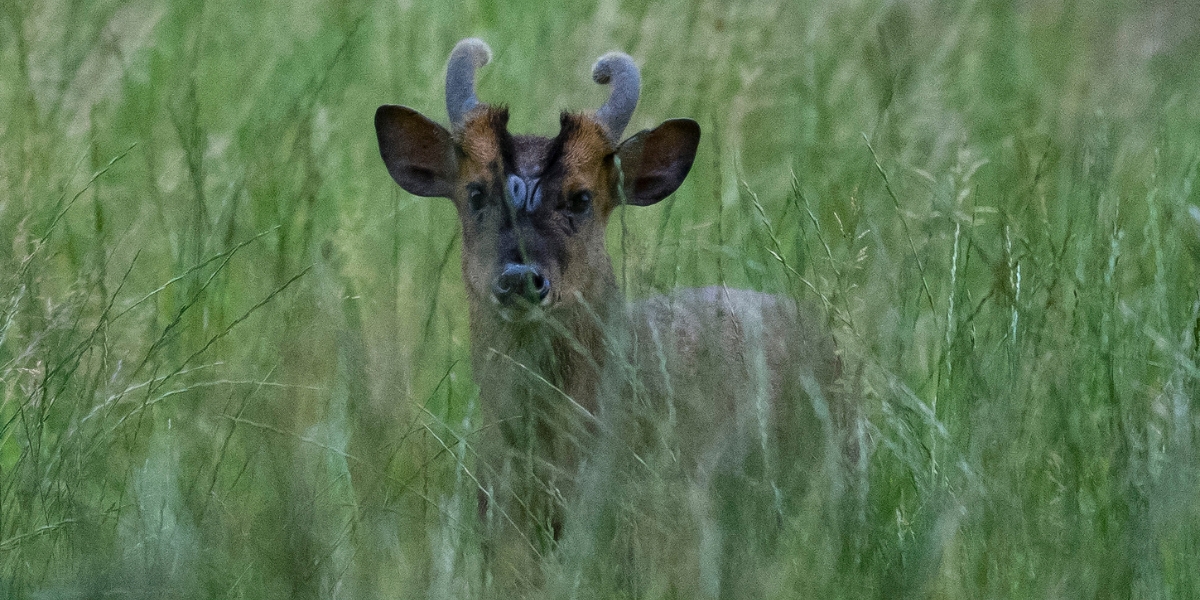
<point x="520" y="285"/>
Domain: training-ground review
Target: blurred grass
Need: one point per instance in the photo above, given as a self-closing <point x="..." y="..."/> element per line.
<point x="233" y="353"/>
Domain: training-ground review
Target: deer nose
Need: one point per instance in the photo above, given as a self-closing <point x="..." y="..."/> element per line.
<point x="520" y="281"/>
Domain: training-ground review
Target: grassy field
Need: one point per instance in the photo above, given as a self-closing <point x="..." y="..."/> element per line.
<point x="233" y="354"/>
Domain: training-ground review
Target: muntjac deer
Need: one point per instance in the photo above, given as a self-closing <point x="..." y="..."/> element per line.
<point x="714" y="376"/>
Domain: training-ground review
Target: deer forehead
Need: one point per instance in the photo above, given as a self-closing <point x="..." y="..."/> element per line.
<point x="584" y="156"/>
<point x="525" y="165"/>
<point x="482" y="138"/>
<point x="585" y="144"/>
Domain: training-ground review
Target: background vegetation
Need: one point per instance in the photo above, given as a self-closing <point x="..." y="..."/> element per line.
<point x="232" y="351"/>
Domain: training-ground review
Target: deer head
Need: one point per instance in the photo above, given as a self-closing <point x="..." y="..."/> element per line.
<point x="534" y="209"/>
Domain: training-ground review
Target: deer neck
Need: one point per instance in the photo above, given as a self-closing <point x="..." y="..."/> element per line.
<point x="555" y="358"/>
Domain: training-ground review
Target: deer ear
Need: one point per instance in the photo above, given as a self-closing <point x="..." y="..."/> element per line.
<point x="655" y="161"/>
<point x="419" y="153"/>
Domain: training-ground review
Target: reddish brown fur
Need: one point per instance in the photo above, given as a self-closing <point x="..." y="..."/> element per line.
<point x="587" y="159"/>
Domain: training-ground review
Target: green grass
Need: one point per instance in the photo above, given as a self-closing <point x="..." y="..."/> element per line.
<point x="233" y="354"/>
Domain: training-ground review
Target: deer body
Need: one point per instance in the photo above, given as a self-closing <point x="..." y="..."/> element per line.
<point x="560" y="357"/>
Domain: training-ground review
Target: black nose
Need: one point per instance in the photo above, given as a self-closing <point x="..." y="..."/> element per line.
<point x="520" y="281"/>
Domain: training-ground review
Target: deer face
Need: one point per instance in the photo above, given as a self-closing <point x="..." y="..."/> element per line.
<point x="533" y="209"/>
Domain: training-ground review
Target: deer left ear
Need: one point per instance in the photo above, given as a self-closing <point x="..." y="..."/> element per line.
<point x="656" y="161"/>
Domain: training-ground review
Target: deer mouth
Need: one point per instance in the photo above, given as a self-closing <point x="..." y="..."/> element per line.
<point x="521" y="311"/>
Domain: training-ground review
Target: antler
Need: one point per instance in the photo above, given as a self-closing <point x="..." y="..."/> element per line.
<point x="468" y="55"/>
<point x="617" y="68"/>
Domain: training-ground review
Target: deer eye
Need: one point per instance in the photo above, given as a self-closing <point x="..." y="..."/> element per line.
<point x="579" y="202"/>
<point x="476" y="196"/>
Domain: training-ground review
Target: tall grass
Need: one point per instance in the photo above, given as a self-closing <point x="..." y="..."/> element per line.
<point x="233" y="353"/>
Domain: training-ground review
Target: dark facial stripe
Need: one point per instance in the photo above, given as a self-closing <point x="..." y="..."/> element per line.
<point x="498" y="122"/>
<point x="521" y="193"/>
<point x="568" y="128"/>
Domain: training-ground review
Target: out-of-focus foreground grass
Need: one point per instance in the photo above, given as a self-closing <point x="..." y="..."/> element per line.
<point x="233" y="352"/>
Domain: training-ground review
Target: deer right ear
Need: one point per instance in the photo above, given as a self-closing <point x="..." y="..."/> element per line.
<point x="419" y="153"/>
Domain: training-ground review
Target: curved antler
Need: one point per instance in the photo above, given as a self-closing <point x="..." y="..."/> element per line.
<point x="468" y="55"/>
<point x="617" y="68"/>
